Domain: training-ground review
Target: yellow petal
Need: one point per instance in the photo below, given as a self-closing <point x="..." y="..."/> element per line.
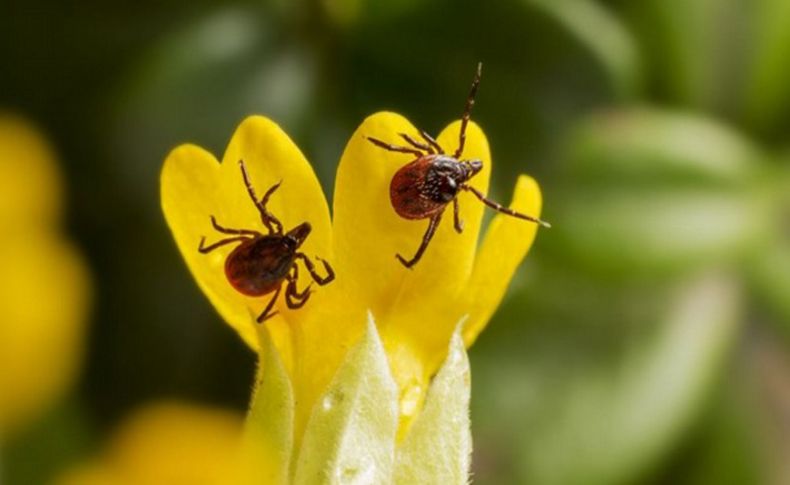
<point x="368" y="232"/>
<point x="195" y="186"/>
<point x="505" y="245"/>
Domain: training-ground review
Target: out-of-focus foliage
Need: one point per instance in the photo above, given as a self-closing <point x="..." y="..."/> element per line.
<point x="651" y="192"/>
<point x="646" y="341"/>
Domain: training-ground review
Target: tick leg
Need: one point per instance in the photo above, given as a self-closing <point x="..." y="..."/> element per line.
<point x="225" y="230"/>
<point x="265" y="214"/>
<point x="459" y="224"/>
<point x="248" y="184"/>
<point x="411" y="141"/>
<point x="505" y="210"/>
<point x="292" y="279"/>
<point x="272" y="223"/>
<point x="426" y="238"/>
<point x="470" y="101"/>
<point x="330" y="273"/>
<point x="265" y="315"/>
<point x="207" y="249"/>
<point x="293" y="302"/>
<point x="395" y="148"/>
<point x="431" y="141"/>
<point x="293" y="298"/>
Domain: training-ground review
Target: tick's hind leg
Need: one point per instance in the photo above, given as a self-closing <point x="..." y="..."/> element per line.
<point x="426" y="238"/>
<point x="330" y="273"/>
<point x="207" y="249"/>
<point x="272" y="223"/>
<point x="395" y="148"/>
<point x="265" y="315"/>
<point x="500" y="208"/>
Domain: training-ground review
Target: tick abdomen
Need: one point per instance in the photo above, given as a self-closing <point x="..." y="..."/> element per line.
<point x="258" y="266"/>
<point x="409" y="194"/>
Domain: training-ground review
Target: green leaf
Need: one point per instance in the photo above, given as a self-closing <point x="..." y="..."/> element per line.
<point x="692" y="48"/>
<point x="654" y="192"/>
<point x="268" y="437"/>
<point x="664" y="386"/>
<point x="438" y="447"/>
<point x="620" y="232"/>
<point x="729" y="441"/>
<point x="771" y="275"/>
<point x="653" y="146"/>
<point x="601" y="402"/>
<point x="350" y="437"/>
<point x="596" y="28"/>
<point x="767" y="96"/>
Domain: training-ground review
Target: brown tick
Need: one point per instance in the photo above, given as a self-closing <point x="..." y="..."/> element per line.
<point x="260" y="264"/>
<point x="423" y="188"/>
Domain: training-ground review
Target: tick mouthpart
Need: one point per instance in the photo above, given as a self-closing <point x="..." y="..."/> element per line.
<point x="472" y="167"/>
<point x="300" y="233"/>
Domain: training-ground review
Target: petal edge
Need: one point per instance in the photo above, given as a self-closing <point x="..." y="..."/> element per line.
<point x="506" y="243"/>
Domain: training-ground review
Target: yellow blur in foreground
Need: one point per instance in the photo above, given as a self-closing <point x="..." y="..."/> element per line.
<point x="167" y="443"/>
<point x="44" y="287"/>
<point x="398" y="321"/>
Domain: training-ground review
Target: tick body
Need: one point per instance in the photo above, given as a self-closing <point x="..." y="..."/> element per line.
<point x="422" y="188"/>
<point x="262" y="263"/>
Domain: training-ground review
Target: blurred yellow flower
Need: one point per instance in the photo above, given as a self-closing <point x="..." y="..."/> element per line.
<point x="169" y="443"/>
<point x="415" y="311"/>
<point x="44" y="287"/>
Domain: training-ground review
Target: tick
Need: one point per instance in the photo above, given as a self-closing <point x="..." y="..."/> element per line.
<point x="262" y="262"/>
<point x="422" y="188"/>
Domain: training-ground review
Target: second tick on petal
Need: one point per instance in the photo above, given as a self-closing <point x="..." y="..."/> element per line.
<point x="262" y="262"/>
<point x="423" y="188"/>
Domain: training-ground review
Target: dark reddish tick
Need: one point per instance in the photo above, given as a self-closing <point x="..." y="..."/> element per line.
<point x="260" y="264"/>
<point x="423" y="188"/>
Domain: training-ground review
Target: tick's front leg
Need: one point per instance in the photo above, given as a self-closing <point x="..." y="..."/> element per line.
<point x="267" y="218"/>
<point x="500" y="208"/>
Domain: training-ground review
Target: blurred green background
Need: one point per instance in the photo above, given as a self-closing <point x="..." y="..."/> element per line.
<point x="646" y="339"/>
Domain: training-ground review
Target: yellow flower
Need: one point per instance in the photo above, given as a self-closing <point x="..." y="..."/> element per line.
<point x="44" y="286"/>
<point x="415" y="311"/>
<point x="170" y="443"/>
